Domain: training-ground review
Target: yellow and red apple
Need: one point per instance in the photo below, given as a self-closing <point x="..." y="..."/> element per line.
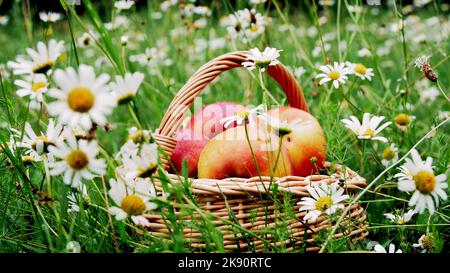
<point x="207" y="119"/>
<point x="306" y="144"/>
<point x="228" y="155"/>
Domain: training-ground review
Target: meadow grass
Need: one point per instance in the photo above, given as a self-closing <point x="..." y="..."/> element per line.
<point x="35" y="217"/>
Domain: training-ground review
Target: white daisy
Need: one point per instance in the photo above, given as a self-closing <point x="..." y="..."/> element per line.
<point x="369" y="128"/>
<point x="73" y="247"/>
<point x="119" y="22"/>
<point x="143" y="164"/>
<point x="150" y="56"/>
<point x="40" y="144"/>
<point x="124" y="40"/>
<point x="380" y="249"/>
<point x="49" y="17"/>
<point x="245" y="24"/>
<point x="418" y="176"/>
<point x="336" y="73"/>
<point x="124" y="88"/>
<point x="34" y="86"/>
<point x="361" y="71"/>
<point x="4" y="19"/>
<point x="364" y="52"/>
<point x="257" y="2"/>
<point x="243" y="115"/>
<point x="390" y="155"/>
<point x="41" y="60"/>
<point x="326" y="2"/>
<point x="82" y="98"/>
<point x="325" y="199"/>
<point x="123" y="4"/>
<point x="425" y="243"/>
<point x="87" y="39"/>
<point x="283" y="127"/>
<point x="76" y="160"/>
<point x="261" y="60"/>
<point x="429" y="95"/>
<point x="135" y="137"/>
<point x="400" y="219"/>
<point x="132" y="199"/>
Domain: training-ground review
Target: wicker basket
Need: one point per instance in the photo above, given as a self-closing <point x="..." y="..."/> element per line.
<point x="246" y="198"/>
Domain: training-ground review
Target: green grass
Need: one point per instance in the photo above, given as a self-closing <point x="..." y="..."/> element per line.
<point x="32" y="220"/>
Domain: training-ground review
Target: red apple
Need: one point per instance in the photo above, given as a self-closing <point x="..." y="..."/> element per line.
<point x="306" y="145"/>
<point x="207" y="119"/>
<point x="190" y="144"/>
<point x="229" y="155"/>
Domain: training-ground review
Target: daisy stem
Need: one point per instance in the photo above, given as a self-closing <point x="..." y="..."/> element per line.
<point x="69" y="20"/>
<point x="110" y="221"/>
<point x="349" y="101"/>
<point x="134" y="116"/>
<point x="442" y="91"/>
<point x="251" y="150"/>
<point x="124" y="63"/>
<point x="350" y="89"/>
<point x="280" y="142"/>
<point x="371" y="184"/>
<point x="338" y="29"/>
<point x="265" y="91"/>
<point x="363" y="153"/>
<point x="48" y="178"/>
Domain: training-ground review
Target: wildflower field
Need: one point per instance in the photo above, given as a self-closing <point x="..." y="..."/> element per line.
<point x="98" y="153"/>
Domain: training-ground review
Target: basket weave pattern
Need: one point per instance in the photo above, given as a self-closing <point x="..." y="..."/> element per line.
<point x="247" y="198"/>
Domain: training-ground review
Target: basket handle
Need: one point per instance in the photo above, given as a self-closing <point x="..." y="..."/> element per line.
<point x="172" y="119"/>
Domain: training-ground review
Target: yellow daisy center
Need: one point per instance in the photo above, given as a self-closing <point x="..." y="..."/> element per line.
<point x="369" y="132"/>
<point x="360" y="69"/>
<point x="425" y="181"/>
<point x="37" y="85"/>
<point x="137" y="137"/>
<point x="323" y="203"/>
<point x="125" y="98"/>
<point x="403" y="119"/>
<point x="42" y="68"/>
<point x="144" y="173"/>
<point x="243" y="113"/>
<point x="44" y="140"/>
<point x="334" y="75"/>
<point x="80" y="99"/>
<point x="28" y="159"/>
<point x="133" y="205"/>
<point x="388" y="153"/>
<point x="77" y="160"/>
<point x="62" y="57"/>
<point x="427" y="243"/>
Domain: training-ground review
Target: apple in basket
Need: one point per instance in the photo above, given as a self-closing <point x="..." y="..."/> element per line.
<point x="207" y="119"/>
<point x="190" y="144"/>
<point x="228" y="154"/>
<point x="306" y="143"/>
<point x="202" y="126"/>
